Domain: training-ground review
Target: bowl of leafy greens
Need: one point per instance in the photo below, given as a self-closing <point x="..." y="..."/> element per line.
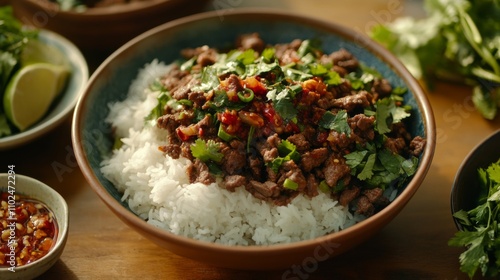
<point x="42" y="75"/>
<point x="475" y="205"/>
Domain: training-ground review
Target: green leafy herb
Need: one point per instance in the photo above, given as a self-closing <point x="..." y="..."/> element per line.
<point x="285" y="108"/>
<point x="379" y="167"/>
<point x="13" y="39"/>
<point x="388" y="113"/>
<point x="158" y="110"/>
<point x="336" y="122"/>
<point x="312" y="47"/>
<point x="221" y="102"/>
<point x="481" y="234"/>
<point x="5" y="129"/>
<point x="209" y="79"/>
<point x="458" y="40"/>
<point x="206" y="150"/>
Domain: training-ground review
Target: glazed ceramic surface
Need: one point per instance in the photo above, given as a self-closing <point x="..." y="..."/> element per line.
<point x="101" y="29"/>
<point x="63" y="106"/>
<point x="35" y="189"/>
<point x="92" y="138"/>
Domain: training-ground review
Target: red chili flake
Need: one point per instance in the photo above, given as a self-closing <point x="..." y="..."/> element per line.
<point x="34" y="227"/>
<point x="228" y="117"/>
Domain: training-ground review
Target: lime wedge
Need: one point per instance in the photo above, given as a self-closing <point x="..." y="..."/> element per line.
<point x="37" y="51"/>
<point x="30" y="92"/>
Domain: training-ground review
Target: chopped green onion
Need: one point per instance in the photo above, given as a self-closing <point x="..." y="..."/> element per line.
<point x="223" y="134"/>
<point x="246" y="95"/>
<point x="185" y="102"/>
<point x="250" y="136"/>
<point x="323" y="186"/>
<point x="290" y="184"/>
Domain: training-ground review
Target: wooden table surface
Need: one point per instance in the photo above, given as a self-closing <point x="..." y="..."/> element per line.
<point x="412" y="246"/>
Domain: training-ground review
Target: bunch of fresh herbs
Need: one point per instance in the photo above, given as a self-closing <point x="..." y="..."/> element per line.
<point x="481" y="234"/>
<point x="13" y="39"/>
<point x="459" y="41"/>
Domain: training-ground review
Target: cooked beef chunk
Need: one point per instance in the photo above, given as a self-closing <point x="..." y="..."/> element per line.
<point x="376" y="196"/>
<point x="264" y="190"/>
<point x="198" y="172"/>
<point x="382" y="87"/>
<point x="335" y="169"/>
<point x="300" y="141"/>
<point x="173" y="150"/>
<point x="231" y="182"/>
<point x="183" y="88"/>
<point x="290" y="170"/>
<point x="364" y="206"/>
<point x="351" y="102"/>
<point x="256" y="167"/>
<point x="314" y="158"/>
<point x="204" y="55"/>
<point x="251" y="41"/>
<point x="312" y="186"/>
<point x="395" y="145"/>
<point x="417" y="145"/>
<point x="349" y="195"/>
<point x="344" y="59"/>
<point x="234" y="159"/>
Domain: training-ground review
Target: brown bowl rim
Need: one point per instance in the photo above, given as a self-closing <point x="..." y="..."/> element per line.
<point x="387" y="213"/>
<point x="116" y="10"/>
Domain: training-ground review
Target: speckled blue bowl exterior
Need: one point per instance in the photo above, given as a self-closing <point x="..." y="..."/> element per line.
<point x="92" y="138"/>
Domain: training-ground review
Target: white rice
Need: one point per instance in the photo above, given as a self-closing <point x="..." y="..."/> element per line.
<point x="157" y="188"/>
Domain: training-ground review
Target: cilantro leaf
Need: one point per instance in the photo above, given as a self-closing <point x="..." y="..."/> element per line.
<point x="246" y="57"/>
<point x="262" y="67"/>
<point x="336" y="122"/>
<point x="158" y="110"/>
<point x="458" y="41"/>
<point x="367" y="171"/>
<point x="388" y="113"/>
<point x="312" y="46"/>
<point x="481" y="231"/>
<point x="285" y="108"/>
<point x="5" y="129"/>
<point x="206" y="150"/>
<point x="355" y="158"/>
<point x="209" y="79"/>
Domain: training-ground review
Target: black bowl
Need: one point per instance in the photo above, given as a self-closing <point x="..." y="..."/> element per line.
<point x="465" y="192"/>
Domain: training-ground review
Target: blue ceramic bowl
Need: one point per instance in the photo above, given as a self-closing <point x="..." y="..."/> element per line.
<point x="64" y="105"/>
<point x="92" y="138"/>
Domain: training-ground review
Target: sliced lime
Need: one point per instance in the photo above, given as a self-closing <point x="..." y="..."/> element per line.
<point x="31" y="91"/>
<point x="37" y="51"/>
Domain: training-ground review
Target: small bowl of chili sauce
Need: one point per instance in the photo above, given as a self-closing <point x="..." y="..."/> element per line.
<point x="33" y="226"/>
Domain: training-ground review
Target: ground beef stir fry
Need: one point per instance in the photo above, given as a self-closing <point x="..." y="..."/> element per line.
<point x="280" y="120"/>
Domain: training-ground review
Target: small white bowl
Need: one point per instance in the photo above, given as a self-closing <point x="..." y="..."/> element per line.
<point x="54" y="201"/>
<point x="64" y="105"/>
